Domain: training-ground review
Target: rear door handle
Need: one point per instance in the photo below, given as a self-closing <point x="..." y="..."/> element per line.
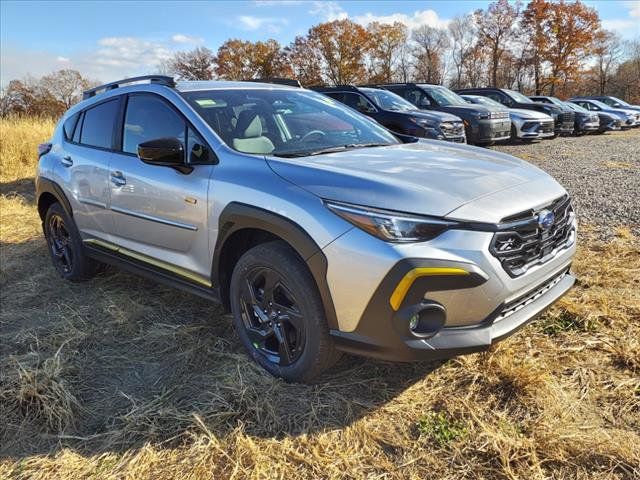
<point x="66" y="161"/>
<point x="118" y="179"/>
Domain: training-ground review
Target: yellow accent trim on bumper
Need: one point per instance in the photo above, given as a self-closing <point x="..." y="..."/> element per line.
<point x="405" y="284"/>
<point x="194" y="277"/>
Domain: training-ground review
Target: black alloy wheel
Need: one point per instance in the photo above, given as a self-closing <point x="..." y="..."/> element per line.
<point x="60" y="244"/>
<point x="271" y="317"/>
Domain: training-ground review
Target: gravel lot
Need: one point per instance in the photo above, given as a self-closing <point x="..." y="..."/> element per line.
<point x="601" y="172"/>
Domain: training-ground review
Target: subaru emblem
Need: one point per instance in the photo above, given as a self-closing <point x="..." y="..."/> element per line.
<point x="546" y="218"/>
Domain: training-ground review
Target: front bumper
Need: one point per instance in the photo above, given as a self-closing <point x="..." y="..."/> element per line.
<point x="532" y="129"/>
<point x="481" y="308"/>
<point x="452" y="341"/>
<point x="488" y="131"/>
<point x="588" y="126"/>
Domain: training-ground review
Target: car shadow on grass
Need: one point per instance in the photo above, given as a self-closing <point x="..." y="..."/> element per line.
<point x="117" y="362"/>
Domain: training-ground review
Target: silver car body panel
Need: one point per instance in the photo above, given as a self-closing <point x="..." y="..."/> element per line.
<point x="174" y="218"/>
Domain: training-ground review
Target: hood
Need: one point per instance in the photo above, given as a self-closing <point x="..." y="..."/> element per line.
<point x="434" y="115"/>
<point x="428" y="177"/>
<point x="529" y="114"/>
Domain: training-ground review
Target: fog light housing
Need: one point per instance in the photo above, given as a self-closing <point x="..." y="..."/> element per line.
<point x="428" y="320"/>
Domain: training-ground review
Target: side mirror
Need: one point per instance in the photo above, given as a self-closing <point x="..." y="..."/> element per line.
<point x="164" y="152"/>
<point x="617" y="105"/>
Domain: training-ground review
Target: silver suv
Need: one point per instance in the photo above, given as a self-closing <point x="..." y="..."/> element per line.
<point x="320" y="230"/>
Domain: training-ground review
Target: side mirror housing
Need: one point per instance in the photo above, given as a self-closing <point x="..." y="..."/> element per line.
<point x="164" y="152"/>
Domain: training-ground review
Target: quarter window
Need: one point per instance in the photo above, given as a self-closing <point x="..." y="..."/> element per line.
<point x="97" y="128"/>
<point x="69" y="125"/>
<point x="149" y="117"/>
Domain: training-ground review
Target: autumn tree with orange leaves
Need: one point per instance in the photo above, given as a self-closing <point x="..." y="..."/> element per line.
<point x="243" y="60"/>
<point x="387" y="49"/>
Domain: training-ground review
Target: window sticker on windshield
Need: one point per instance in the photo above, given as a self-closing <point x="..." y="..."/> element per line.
<point x="208" y="102"/>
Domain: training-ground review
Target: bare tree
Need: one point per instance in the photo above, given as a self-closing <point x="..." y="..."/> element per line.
<point x="462" y="35"/>
<point x="495" y="29"/>
<point x="196" y="64"/>
<point x="608" y="52"/>
<point x="430" y="45"/>
<point x="65" y="86"/>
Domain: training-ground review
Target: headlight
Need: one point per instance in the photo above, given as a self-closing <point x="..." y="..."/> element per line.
<point x="391" y="226"/>
<point x="483" y="116"/>
<point x="423" y="122"/>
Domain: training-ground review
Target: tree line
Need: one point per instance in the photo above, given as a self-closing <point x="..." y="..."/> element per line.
<point x="543" y="47"/>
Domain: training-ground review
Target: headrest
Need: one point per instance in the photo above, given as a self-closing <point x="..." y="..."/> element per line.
<point x="248" y="125"/>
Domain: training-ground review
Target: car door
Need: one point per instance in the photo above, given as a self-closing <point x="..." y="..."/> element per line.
<point x="84" y="167"/>
<point x="159" y="211"/>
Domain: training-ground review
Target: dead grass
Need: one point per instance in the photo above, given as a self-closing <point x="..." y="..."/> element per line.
<point x="122" y="378"/>
<point x="19" y="140"/>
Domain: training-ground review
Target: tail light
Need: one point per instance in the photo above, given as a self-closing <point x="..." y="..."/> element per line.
<point x="43" y="149"/>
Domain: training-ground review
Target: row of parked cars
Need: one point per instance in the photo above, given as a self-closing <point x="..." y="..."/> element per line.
<point x="483" y="116"/>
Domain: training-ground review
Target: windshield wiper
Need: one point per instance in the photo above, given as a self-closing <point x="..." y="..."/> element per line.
<point x="334" y="149"/>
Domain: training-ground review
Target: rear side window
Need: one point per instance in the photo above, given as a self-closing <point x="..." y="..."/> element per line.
<point x="149" y="117"/>
<point x="70" y="125"/>
<point x="97" y="128"/>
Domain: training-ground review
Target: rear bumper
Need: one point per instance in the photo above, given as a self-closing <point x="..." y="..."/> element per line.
<point x="452" y="341"/>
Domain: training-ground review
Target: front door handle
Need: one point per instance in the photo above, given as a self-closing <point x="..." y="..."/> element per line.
<point x="118" y="179"/>
<point x="66" y="161"/>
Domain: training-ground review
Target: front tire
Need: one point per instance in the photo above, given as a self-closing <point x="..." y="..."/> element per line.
<point x="278" y="313"/>
<point x="65" y="246"/>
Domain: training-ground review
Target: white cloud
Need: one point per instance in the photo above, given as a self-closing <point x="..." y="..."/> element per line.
<point x="63" y="59"/>
<point x="328" y="11"/>
<point x="270" y="24"/>
<point x="180" y="38"/>
<point x="417" y="19"/>
<point x="634" y="11"/>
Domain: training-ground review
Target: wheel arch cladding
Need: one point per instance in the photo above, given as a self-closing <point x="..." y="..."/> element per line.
<point x="48" y="193"/>
<point x="242" y="227"/>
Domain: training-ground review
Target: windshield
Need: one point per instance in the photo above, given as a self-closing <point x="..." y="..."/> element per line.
<point x="576" y="108"/>
<point x="598" y="103"/>
<point x="518" y="97"/>
<point x="489" y="102"/>
<point x="285" y="123"/>
<point x="444" y="97"/>
<point x="387" y="100"/>
<point x="617" y="100"/>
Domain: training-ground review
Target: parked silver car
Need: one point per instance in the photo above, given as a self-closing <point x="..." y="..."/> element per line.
<point x="525" y="124"/>
<point x="317" y="228"/>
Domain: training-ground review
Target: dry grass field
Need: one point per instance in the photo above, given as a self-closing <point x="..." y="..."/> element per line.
<point x="123" y="378"/>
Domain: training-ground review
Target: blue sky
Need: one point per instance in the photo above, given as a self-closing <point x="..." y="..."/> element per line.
<point x="109" y="40"/>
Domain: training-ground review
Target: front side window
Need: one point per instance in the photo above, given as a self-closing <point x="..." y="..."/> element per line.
<point x="388" y="100"/>
<point x="285" y="123"/>
<point x="148" y="117"/>
<point x="98" y="124"/>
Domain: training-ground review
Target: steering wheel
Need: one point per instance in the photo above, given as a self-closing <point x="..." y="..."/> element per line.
<point x="308" y="135"/>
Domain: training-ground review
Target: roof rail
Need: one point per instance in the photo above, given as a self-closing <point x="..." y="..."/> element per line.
<point x="291" y="82"/>
<point x="410" y="84"/>
<point x="159" y="79"/>
<point x="319" y="88"/>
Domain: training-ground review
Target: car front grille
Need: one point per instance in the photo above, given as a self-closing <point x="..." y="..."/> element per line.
<point x="452" y="129"/>
<point x="566" y="117"/>
<point x="521" y="242"/>
<point x="546" y="127"/>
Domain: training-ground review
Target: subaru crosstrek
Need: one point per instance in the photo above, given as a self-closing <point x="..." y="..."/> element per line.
<point x="319" y="230"/>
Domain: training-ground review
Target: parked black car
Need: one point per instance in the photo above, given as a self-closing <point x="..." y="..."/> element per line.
<point x="607" y="122"/>
<point x="482" y="125"/>
<point x="564" y="117"/>
<point x="395" y="113"/>
<point x="585" y="121"/>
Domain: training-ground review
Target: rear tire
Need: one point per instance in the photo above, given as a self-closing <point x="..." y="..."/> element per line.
<point x="66" y="248"/>
<point x="278" y="313"/>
